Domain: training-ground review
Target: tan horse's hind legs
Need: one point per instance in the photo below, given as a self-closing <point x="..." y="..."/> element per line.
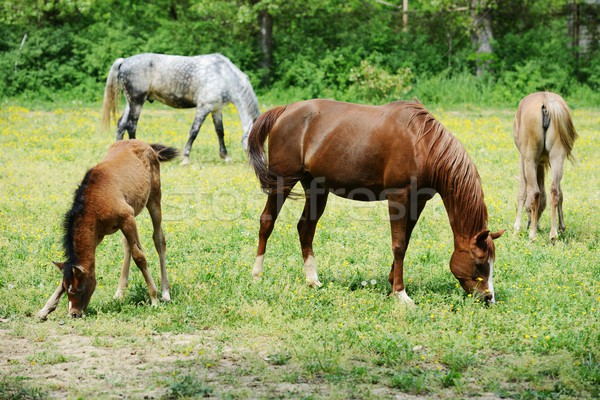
<point x="129" y="229"/>
<point x="557" y="158"/>
<point x="532" y="193"/>
<point x="522" y="196"/>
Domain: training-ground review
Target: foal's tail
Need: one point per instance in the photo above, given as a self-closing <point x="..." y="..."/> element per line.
<point x="164" y="153"/>
<point x="111" y="95"/>
<point x="560" y="120"/>
<point x="270" y="181"/>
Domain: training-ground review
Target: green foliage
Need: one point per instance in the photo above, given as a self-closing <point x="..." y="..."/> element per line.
<point x="188" y="387"/>
<point x="350" y="50"/>
<point x="376" y="85"/>
<point x="15" y="389"/>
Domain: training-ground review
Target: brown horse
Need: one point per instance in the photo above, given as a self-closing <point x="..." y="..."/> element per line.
<point x="544" y="134"/>
<point x="396" y="152"/>
<point x="107" y="200"/>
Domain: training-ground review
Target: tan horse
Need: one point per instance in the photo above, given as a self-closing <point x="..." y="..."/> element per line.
<point x="544" y="134"/>
<point x="396" y="152"/>
<point x="107" y="200"/>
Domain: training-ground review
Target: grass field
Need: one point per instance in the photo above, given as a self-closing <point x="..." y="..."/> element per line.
<point x="226" y="336"/>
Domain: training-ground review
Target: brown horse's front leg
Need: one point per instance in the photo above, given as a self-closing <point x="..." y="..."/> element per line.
<point x="398" y="210"/>
<point x="405" y="207"/>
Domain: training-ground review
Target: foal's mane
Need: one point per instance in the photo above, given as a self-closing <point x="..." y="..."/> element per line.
<point x="69" y="222"/>
<point x="451" y="172"/>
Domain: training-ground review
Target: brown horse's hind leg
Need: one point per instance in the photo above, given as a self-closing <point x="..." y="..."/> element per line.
<point x="161" y="246"/>
<point x="129" y="229"/>
<point x="267" y="223"/>
<point x="123" y="281"/>
<point x="556" y="196"/>
<point x="316" y="200"/>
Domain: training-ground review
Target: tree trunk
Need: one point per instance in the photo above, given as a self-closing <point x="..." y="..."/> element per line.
<point x="481" y="35"/>
<point x="265" y="22"/>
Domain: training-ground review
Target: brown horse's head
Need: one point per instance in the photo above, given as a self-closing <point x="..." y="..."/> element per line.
<point x="472" y="263"/>
<point x="79" y="286"/>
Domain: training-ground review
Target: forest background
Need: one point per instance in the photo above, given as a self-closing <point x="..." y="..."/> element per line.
<point x="481" y="52"/>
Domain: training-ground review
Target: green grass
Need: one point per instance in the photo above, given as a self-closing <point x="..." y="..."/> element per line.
<point x="227" y="336"/>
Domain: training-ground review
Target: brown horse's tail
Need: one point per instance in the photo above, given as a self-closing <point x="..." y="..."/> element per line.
<point x="270" y="181"/>
<point x="111" y="95"/>
<point x="164" y="153"/>
<point x="560" y="118"/>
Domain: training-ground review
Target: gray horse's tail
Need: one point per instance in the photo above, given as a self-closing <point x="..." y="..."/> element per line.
<point x="111" y="95"/>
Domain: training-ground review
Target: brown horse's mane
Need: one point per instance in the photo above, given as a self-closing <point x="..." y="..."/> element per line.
<point x="451" y="172"/>
<point x="70" y="219"/>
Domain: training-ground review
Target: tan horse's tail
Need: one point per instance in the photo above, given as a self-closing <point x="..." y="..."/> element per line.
<point x="560" y="118"/>
<point x="270" y="181"/>
<point x="111" y="95"/>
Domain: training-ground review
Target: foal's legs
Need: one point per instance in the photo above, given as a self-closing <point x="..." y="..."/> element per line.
<point x="52" y="302"/>
<point x="267" y="223"/>
<point x="129" y="229"/>
<point x="201" y="113"/>
<point x="316" y="200"/>
<point x="160" y="244"/>
<point x="124" y="271"/>
<point x="557" y="158"/>
<point x="217" y="117"/>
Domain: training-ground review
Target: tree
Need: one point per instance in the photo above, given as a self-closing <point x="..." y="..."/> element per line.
<point x="481" y="35"/>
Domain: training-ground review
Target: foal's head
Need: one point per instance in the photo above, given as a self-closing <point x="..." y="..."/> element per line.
<point x="472" y="264"/>
<point x="79" y="286"/>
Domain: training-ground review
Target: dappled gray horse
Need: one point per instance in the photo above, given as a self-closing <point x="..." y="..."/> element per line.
<point x="206" y="82"/>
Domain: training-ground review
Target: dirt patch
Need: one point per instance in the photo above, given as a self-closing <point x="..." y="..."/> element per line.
<point x="66" y="364"/>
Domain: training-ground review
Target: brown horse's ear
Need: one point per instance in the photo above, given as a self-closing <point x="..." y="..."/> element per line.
<point x="58" y="265"/>
<point x="79" y="267"/>
<point x="496" y="235"/>
<point x="479" y="247"/>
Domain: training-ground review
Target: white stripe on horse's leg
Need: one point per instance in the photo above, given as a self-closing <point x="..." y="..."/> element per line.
<point x="258" y="268"/>
<point x="310" y="270"/>
<point x="403" y="297"/>
<point x="491" y="281"/>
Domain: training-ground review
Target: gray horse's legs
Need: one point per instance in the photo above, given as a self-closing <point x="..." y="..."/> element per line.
<point x="201" y="113"/>
<point x="122" y="123"/>
<point x="217" y="117"/>
<point x="129" y="120"/>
